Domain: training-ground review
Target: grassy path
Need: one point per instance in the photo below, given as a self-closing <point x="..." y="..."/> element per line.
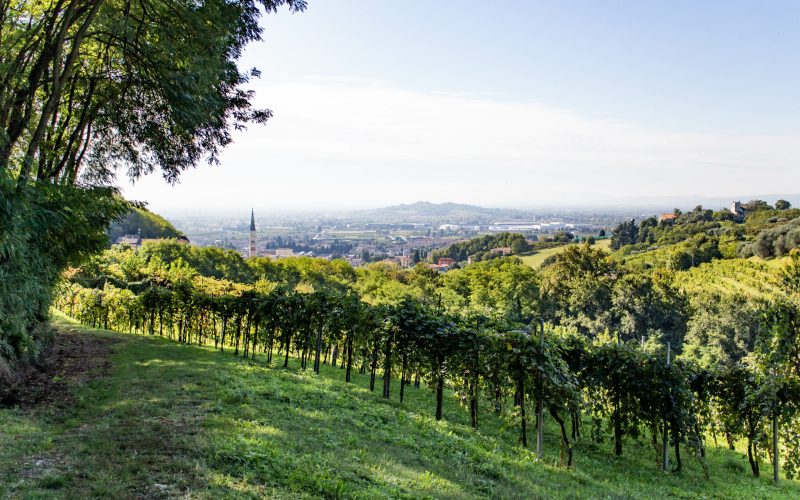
<point x="167" y="420"/>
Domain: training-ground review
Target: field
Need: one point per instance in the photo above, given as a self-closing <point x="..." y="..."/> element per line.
<point x="155" y="419"/>
<point x="536" y="259"/>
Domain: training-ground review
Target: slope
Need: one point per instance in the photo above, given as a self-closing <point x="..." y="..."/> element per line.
<point x="166" y="420"/>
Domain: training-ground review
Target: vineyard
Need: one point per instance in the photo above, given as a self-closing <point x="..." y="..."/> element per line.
<point x="748" y="277"/>
<point x="191" y="421"/>
<point x="660" y="360"/>
<point x="483" y="334"/>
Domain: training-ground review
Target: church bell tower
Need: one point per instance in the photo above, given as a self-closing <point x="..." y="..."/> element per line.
<point x="252" y="252"/>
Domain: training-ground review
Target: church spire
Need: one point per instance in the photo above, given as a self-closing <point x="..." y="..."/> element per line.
<point x="252" y="250"/>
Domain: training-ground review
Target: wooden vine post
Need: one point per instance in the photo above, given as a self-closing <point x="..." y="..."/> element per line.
<point x="665" y="462"/>
<point x="540" y="396"/>
<point x="774" y="434"/>
<point x="775" y="442"/>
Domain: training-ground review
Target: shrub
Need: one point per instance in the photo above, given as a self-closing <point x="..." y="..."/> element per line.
<point x="43" y="229"/>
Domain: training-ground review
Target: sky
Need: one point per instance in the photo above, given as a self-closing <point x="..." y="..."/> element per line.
<point x="509" y="104"/>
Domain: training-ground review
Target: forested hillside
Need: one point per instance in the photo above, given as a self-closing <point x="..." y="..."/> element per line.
<point x="143" y="223"/>
<point x="480" y="248"/>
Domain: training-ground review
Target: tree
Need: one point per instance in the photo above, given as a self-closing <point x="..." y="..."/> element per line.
<point x="519" y="246"/>
<point x="577" y="289"/>
<point x="650" y="306"/>
<point x="782" y="205"/>
<point x="756" y="205"/>
<point x="90" y="88"/>
<point x="138" y="83"/>
<point x="625" y="233"/>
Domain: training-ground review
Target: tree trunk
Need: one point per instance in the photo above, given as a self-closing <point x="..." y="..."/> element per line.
<point x="238" y="334"/>
<point x="676" y="441"/>
<point x="373" y="368"/>
<point x="255" y="339"/>
<point x="564" y="438"/>
<point x="387" y="369"/>
<point x="439" y="396"/>
<point x="288" y="343"/>
<point x="349" y="359"/>
<point x="403" y="376"/>
<point x="729" y="439"/>
<point x="473" y="402"/>
<point x="752" y="457"/>
<point x="318" y="351"/>
<point x="246" y="343"/>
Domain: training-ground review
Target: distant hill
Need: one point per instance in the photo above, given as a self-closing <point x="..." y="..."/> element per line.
<point x="151" y="225"/>
<point x="424" y="211"/>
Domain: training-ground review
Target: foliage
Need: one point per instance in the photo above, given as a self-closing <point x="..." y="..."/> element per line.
<point x="584" y="339"/>
<point x="88" y="88"/>
<point x="141" y="84"/>
<point x="481" y="246"/>
<point x="38" y="240"/>
<point x="144" y="223"/>
<point x="775" y="241"/>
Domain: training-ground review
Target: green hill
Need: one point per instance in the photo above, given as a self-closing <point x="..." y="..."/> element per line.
<point x="150" y="224"/>
<point x="423" y="211"/>
<point x="159" y="419"/>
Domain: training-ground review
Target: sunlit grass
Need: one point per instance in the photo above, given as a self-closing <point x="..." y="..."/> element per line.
<point x="172" y="420"/>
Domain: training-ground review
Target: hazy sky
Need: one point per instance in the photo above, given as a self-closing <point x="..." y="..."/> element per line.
<point x="510" y="104"/>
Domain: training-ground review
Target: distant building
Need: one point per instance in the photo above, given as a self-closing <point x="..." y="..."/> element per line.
<point x="252" y="252"/>
<point x="516" y="226"/>
<point x="501" y="251"/>
<point x="405" y="261"/>
<point x="284" y="252"/>
<point x="134" y="240"/>
<point x="354" y="260"/>
<point x="439" y="267"/>
<point x="471" y="259"/>
<point x="667" y="217"/>
<point x="737" y="209"/>
<point x="447" y="261"/>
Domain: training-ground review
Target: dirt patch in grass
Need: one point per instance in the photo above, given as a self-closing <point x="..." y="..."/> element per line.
<point x="72" y="359"/>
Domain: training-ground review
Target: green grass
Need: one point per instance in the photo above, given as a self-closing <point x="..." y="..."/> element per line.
<point x="536" y="259"/>
<point x="171" y="420"/>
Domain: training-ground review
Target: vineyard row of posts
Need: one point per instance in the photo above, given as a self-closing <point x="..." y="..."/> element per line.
<point x="510" y="358"/>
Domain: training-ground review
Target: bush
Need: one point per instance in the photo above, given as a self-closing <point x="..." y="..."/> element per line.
<point x="43" y="229"/>
<point x="775" y="241"/>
